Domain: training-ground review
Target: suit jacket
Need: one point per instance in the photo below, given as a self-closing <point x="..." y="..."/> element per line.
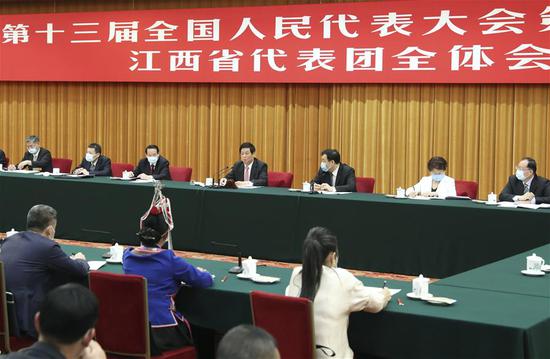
<point x="44" y="160"/>
<point x="445" y="188"/>
<point x="161" y="172"/>
<point x="102" y="167"/>
<point x="34" y="265"/>
<point x="345" y="179"/>
<point x="540" y="187"/>
<point x="2" y="158"/>
<point x="258" y="172"/>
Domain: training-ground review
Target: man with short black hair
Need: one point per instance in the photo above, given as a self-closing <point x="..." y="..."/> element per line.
<point x="153" y="166"/>
<point x="334" y="176"/>
<point x="94" y="162"/>
<point x="247" y="342"/>
<point x="525" y="186"/>
<point x="36" y="157"/>
<point x="65" y="324"/>
<point x="249" y="171"/>
<point x="34" y="264"/>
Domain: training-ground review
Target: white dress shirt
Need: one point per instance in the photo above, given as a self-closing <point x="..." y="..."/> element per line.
<point x="334" y="175"/>
<point x="339" y="294"/>
<point x="445" y="188"/>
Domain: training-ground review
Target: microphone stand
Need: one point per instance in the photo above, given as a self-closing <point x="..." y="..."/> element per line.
<point x="239" y="267"/>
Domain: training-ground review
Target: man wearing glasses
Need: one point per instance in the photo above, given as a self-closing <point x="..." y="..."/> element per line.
<point x="525" y="186"/>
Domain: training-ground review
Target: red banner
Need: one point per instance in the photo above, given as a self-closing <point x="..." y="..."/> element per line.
<point x="374" y="42"/>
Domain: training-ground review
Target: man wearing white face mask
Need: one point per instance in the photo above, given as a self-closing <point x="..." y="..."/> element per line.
<point x="94" y="162"/>
<point x="35" y="157"/>
<point x="35" y="264"/>
<point x="153" y="166"/>
<point x="525" y="186"/>
<point x="334" y="176"/>
<point x="437" y="184"/>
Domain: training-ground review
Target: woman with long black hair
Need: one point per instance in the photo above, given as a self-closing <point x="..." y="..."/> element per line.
<point x="334" y="291"/>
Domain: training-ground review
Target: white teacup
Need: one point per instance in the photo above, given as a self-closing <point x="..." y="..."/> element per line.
<point x="56" y="171"/>
<point x="249" y="267"/>
<point x="1" y="167"/>
<point x="306" y="186"/>
<point x="116" y="252"/>
<point x="125" y="174"/>
<point x="209" y="182"/>
<point x="492" y="198"/>
<point x="421" y="286"/>
<point x="534" y="263"/>
<point x="400" y="192"/>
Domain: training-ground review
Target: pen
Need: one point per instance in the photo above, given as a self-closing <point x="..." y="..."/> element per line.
<point x="385" y="285"/>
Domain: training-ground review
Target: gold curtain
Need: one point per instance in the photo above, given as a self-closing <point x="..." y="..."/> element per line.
<point x="386" y="131"/>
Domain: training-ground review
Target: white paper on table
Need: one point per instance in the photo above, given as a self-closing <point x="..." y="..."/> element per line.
<point x="528" y="206"/>
<point x="333" y="193"/>
<point x="95" y="265"/>
<point x="248" y="187"/>
<point x="392" y="291"/>
<point x="24" y="171"/>
<point x="544" y="205"/>
<point x="507" y="204"/>
<point x="144" y="181"/>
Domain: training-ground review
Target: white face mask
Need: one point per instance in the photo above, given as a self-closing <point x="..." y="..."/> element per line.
<point x="89" y="157"/>
<point x="324" y="167"/>
<point x="33" y="150"/>
<point x="520" y="175"/>
<point x="152" y="159"/>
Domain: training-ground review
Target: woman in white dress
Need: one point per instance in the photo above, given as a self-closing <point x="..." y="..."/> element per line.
<point x="437" y="184"/>
<point x="335" y="293"/>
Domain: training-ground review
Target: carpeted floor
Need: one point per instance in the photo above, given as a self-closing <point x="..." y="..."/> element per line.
<point x="196" y="255"/>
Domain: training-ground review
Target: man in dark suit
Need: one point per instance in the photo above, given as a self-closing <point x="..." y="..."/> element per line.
<point x="249" y="171"/>
<point x="525" y="186"/>
<point x="34" y="264"/>
<point x="3" y="159"/>
<point x="334" y="176"/>
<point x="65" y="323"/>
<point x="36" y="157"/>
<point x="94" y="162"/>
<point x="153" y="166"/>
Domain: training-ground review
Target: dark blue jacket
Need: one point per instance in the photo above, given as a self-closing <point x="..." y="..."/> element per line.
<point x="102" y="167"/>
<point x="34" y="265"/>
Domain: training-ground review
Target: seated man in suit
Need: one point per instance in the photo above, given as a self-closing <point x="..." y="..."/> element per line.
<point x="36" y="157"/>
<point x="525" y="186"/>
<point x="2" y="159"/>
<point x="153" y="166"/>
<point x="334" y="176"/>
<point x="249" y="171"/>
<point x="94" y="162"/>
<point x="35" y="264"/>
<point x="65" y="323"/>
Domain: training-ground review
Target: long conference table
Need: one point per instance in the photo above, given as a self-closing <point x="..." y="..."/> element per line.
<point x="437" y="238"/>
<point x="499" y="312"/>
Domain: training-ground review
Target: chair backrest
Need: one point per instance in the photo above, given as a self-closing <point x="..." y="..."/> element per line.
<point x="365" y="184"/>
<point x="288" y="319"/>
<point x="123" y="324"/>
<point x="466" y="188"/>
<point x="64" y="164"/>
<point x="280" y="179"/>
<point x="4" y="326"/>
<point x="181" y="174"/>
<point x="118" y="168"/>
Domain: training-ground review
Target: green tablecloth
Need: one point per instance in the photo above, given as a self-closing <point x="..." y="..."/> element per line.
<point x="482" y="324"/>
<point x="505" y="276"/>
<point x="436" y="238"/>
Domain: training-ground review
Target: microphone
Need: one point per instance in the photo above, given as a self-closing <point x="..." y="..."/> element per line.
<point x="238" y="268"/>
<point x="226" y="168"/>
